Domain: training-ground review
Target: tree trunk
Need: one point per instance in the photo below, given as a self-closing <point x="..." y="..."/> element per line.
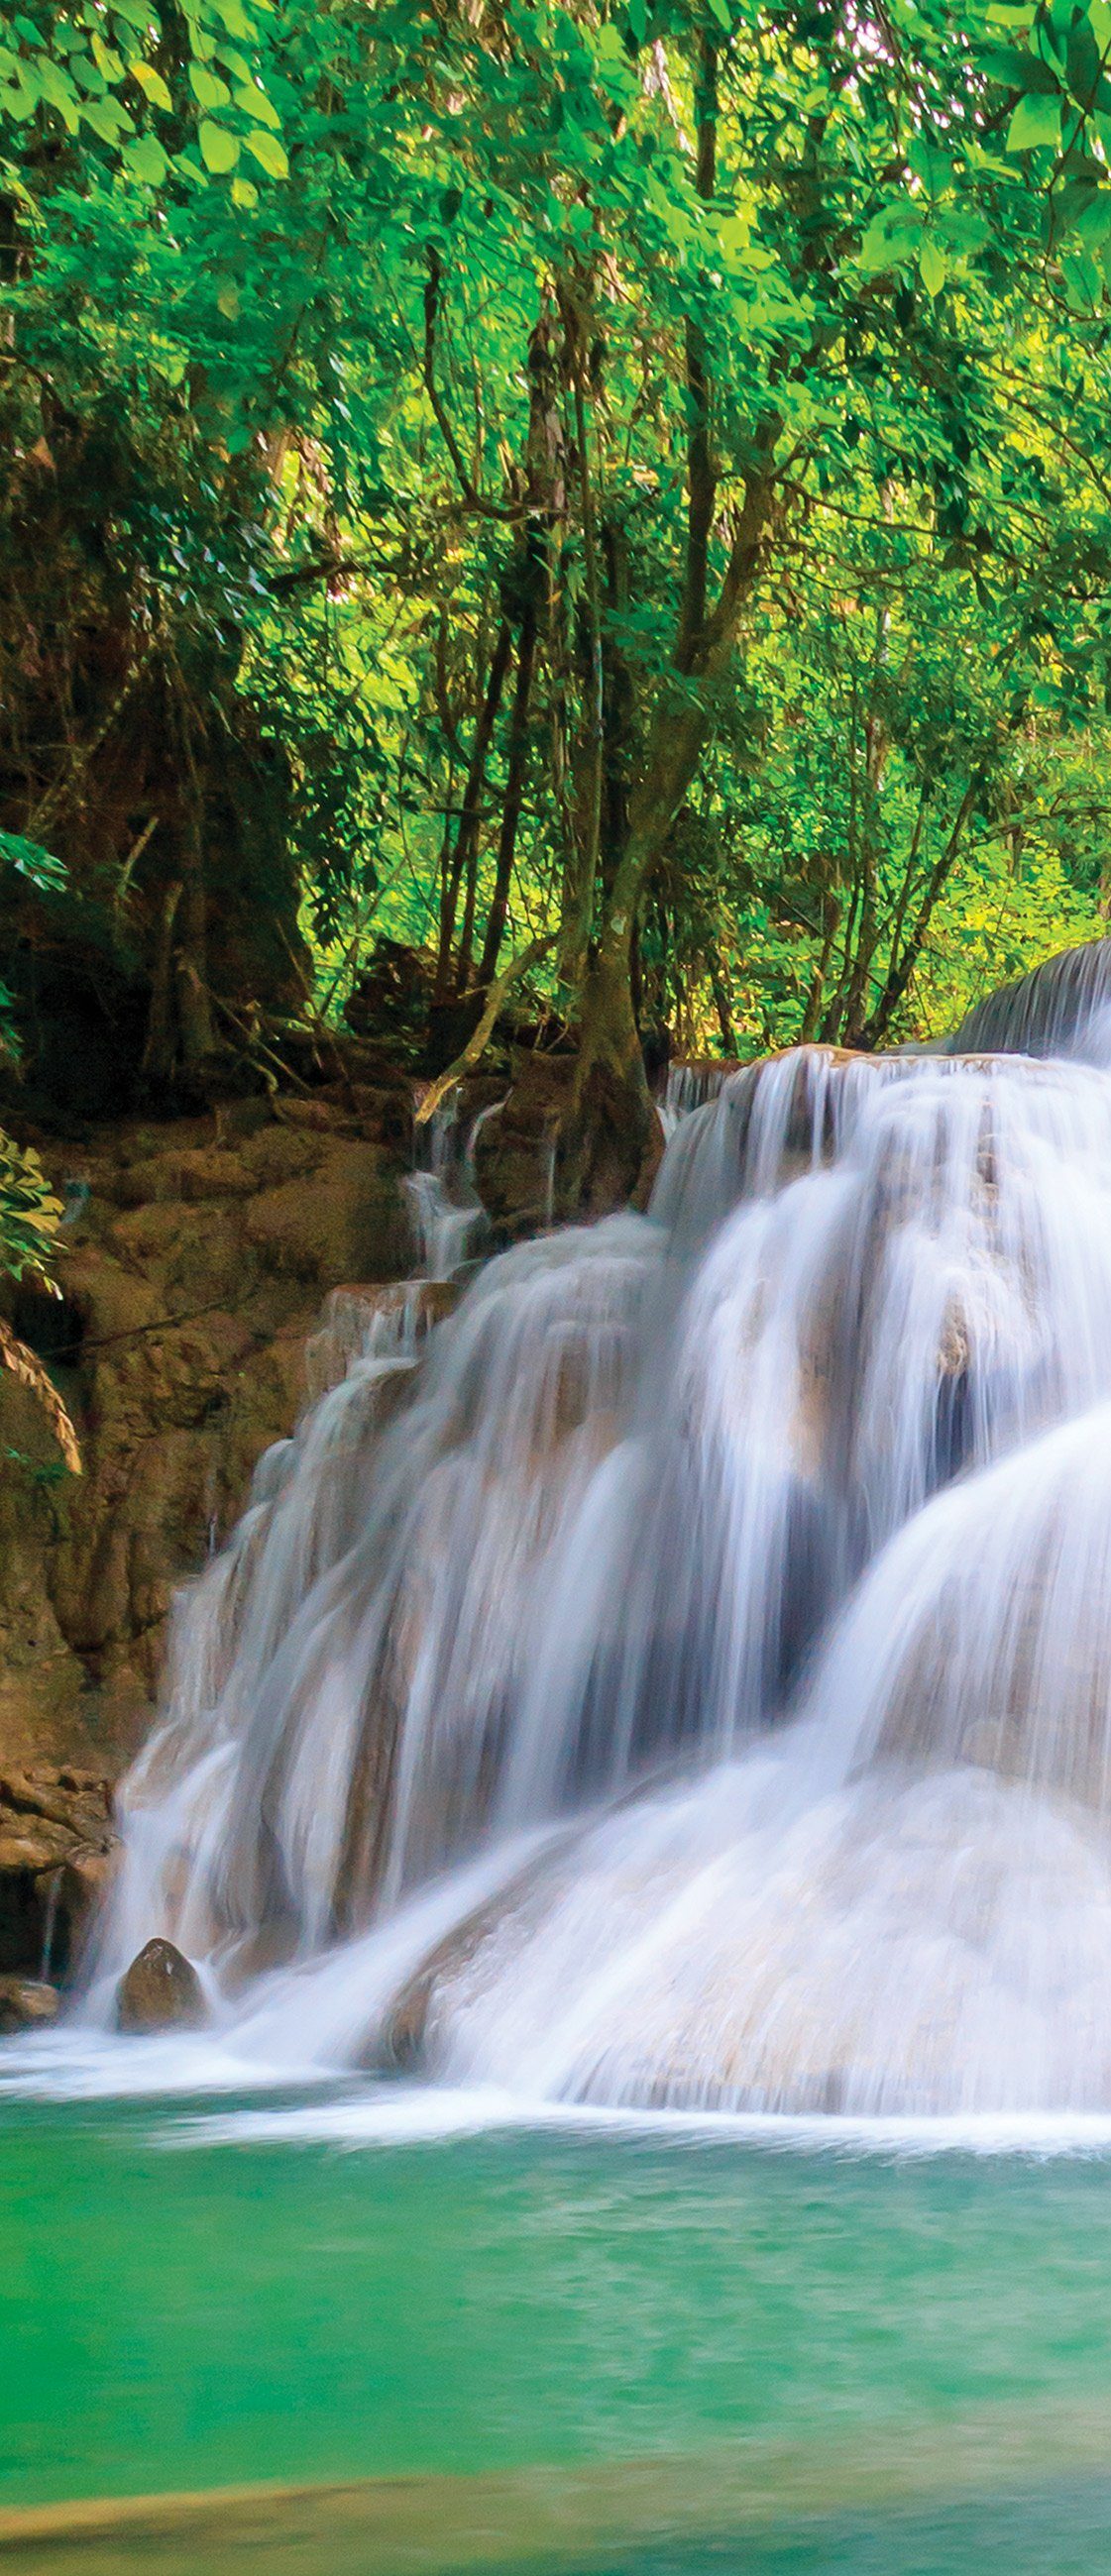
<point x="514" y="798"/>
<point x="193" y="1006"/>
<point x="900" y="976"/>
<point x="470" y="819"/>
<point x="158" y="1052"/>
<point x="721" y="1007"/>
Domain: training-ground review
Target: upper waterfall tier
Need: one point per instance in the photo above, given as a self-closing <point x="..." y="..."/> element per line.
<point x="822" y="1445"/>
<point x="1060" y="1008"/>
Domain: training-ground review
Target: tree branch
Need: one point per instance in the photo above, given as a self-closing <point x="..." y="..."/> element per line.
<point x="446" y="1082"/>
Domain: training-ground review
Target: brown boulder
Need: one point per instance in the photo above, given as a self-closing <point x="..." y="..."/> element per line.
<point x="348" y="1224"/>
<point x="160" y="1991"/>
<point x="26" y="2003"/>
<point x="214" y="1174"/>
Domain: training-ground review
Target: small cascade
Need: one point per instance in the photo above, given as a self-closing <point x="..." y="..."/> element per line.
<point x="447" y="1211"/>
<point x="685" y="1676"/>
<point x="1058" y="1009"/>
<point x="689" y="1086"/>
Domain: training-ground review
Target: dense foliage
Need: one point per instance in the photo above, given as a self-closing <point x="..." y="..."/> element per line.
<point x="611" y="495"/>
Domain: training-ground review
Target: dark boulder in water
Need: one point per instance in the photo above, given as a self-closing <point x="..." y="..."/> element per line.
<point x="160" y="1991"/>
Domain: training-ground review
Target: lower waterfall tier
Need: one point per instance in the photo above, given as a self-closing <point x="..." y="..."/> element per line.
<point x="897" y="1946"/>
<point x="686" y="1677"/>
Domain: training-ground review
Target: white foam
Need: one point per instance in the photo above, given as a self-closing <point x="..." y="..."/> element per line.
<point x="411" y="2115"/>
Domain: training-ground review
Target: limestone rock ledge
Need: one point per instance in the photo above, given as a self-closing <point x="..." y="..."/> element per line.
<point x="193" y="1274"/>
<point x="57" y="1848"/>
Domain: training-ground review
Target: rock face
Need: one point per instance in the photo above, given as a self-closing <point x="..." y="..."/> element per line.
<point x="160" y="1991"/>
<point x="56" y="1852"/>
<point x="193" y="1271"/>
<point x="523" y="1174"/>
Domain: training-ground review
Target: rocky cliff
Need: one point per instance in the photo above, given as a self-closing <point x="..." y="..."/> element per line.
<point x="197" y="1256"/>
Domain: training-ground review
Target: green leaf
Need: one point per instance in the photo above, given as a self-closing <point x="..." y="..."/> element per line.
<point x="189" y="165"/>
<point x="30" y="860"/>
<point x="153" y="84"/>
<point x="1083" y="282"/>
<point x="208" y="89"/>
<point x="59" y="91"/>
<point x="932" y="268"/>
<point x="254" y="103"/>
<point x="269" y="153"/>
<point x="892" y="236"/>
<point x="1094" y="226"/>
<point x="146" y="161"/>
<point x="21" y="97"/>
<point x="1036" y="123"/>
<point x="1015" y="69"/>
<point x="1083" y="61"/>
<point x="107" y="118"/>
<point x="106" y="59"/>
<point x="219" y="149"/>
<point x="85" y="72"/>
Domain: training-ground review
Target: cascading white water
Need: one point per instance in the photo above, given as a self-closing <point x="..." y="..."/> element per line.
<point x="687" y="1087"/>
<point x="448" y="1213"/>
<point x="689" y="1679"/>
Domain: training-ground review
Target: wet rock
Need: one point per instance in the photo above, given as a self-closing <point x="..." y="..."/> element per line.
<point x="160" y="1991"/>
<point x="515" y="1148"/>
<point x="56" y="1851"/>
<point x="407" y="1308"/>
<point x="31" y="1848"/>
<point x="76" y="1801"/>
<point x="547" y="1155"/>
<point x="285" y="1153"/>
<point x="84" y="1883"/>
<point x="26" y="2003"/>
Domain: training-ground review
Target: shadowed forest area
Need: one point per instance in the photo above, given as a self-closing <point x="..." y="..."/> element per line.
<point x="586" y="526"/>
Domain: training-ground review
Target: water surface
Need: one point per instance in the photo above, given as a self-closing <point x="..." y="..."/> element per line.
<point x="650" y="2348"/>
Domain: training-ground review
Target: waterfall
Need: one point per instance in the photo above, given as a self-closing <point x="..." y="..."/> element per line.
<point x="1061" y="1007"/>
<point x="447" y="1211"/>
<point x="688" y="1086"/>
<point x="685" y="1676"/>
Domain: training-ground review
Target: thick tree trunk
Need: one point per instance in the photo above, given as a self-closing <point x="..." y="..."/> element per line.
<point x="610" y="1063"/>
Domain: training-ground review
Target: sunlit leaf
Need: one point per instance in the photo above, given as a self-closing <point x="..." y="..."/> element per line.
<point x="220" y="149"/>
